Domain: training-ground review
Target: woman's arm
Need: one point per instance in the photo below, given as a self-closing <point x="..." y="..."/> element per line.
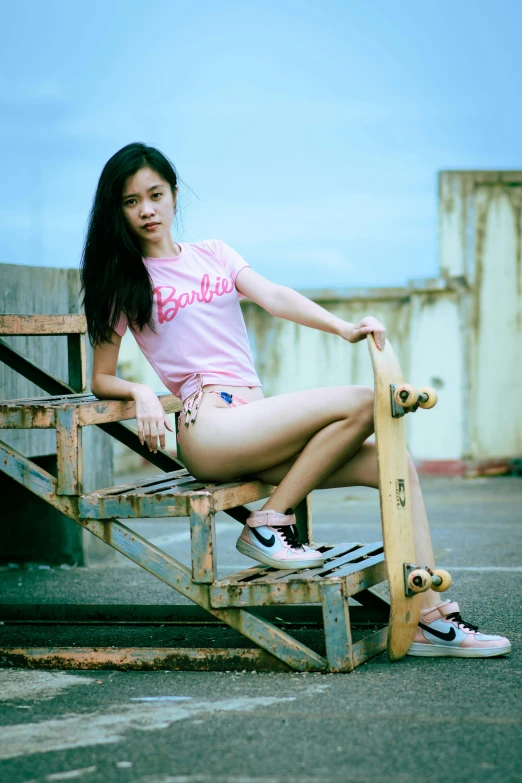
<point x="104" y="382"/>
<point x="284" y="302"/>
<point x="151" y="419"/>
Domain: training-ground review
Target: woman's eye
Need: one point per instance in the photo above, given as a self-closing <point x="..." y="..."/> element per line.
<point x="129" y="203"/>
<point x="157" y="194"/>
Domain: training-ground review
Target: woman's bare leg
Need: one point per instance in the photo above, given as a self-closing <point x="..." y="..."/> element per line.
<point x="324" y="454"/>
<point x="300" y="442"/>
<point x="361" y="471"/>
<point x="321" y="429"/>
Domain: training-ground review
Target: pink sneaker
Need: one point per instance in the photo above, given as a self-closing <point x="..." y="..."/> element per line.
<point x="271" y="538"/>
<point x="442" y="631"/>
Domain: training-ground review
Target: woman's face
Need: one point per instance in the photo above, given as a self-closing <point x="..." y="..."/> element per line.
<point x="148" y="207"/>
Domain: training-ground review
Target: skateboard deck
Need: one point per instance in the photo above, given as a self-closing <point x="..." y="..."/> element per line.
<point x="394" y="493"/>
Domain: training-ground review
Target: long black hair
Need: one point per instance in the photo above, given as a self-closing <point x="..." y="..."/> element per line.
<point x="113" y="277"/>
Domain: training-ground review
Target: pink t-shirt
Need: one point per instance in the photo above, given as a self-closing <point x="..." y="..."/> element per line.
<point x="198" y="319"/>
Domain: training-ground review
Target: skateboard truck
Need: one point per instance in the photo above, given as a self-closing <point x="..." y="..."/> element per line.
<point x="418" y="580"/>
<point x="406" y="399"/>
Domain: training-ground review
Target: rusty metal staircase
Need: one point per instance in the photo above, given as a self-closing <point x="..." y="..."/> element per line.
<point x="350" y="570"/>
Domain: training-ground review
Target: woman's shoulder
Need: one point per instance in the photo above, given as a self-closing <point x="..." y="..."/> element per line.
<point x="214" y="245"/>
<point x="208" y="250"/>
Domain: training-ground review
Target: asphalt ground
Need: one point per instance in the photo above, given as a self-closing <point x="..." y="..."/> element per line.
<point x="456" y="719"/>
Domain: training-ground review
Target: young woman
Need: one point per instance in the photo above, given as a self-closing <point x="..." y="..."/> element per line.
<point x="181" y="301"/>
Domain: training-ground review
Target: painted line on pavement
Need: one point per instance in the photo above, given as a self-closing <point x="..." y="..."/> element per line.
<point x="103" y="728"/>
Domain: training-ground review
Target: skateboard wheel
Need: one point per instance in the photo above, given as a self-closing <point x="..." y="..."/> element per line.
<point x="444" y="583"/>
<point x="405" y="395"/>
<point x="419" y="580"/>
<point x="432" y="397"/>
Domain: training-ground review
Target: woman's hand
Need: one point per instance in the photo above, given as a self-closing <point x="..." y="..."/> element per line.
<point x="150" y="417"/>
<point x="354" y="333"/>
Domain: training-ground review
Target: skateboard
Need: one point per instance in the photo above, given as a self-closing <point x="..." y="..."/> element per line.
<point x="393" y="399"/>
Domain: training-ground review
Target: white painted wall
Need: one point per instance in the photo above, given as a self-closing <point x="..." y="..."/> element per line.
<point x="496" y="334"/>
<point x="480" y="236"/>
<point x="290" y="357"/>
<point x="436" y="360"/>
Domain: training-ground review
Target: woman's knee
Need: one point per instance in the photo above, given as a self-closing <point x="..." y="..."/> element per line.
<point x="362" y="408"/>
<point x="367" y="399"/>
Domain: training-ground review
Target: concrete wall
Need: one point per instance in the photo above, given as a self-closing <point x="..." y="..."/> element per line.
<point x="460" y="332"/>
<point x="481" y="239"/>
<point x="31" y="529"/>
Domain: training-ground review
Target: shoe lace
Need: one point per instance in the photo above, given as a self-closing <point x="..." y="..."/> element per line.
<point x="290" y="535"/>
<point x="460" y="622"/>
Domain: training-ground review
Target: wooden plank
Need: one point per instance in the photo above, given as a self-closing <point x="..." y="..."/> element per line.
<point x="91" y="410"/>
<point x="80" y="399"/>
<point x="47" y="400"/>
<point x="295" y="589"/>
<point x="351" y="550"/>
<point x="144" y="482"/>
<point x="265" y="593"/>
<point x="172" y="487"/>
<point x="131" y="507"/>
<point x="202" y="540"/>
<point x="22" y="324"/>
<point x="331" y="552"/>
<point x="373" y="573"/>
<point x="350" y="568"/>
<point x="272" y="576"/>
<point x="76" y="361"/>
<point x="179" y="484"/>
<point x="68" y="450"/>
<point x="25" y="418"/>
<point x="347" y="564"/>
<point x="105" y="411"/>
<point x="357" y="556"/>
<point x="337" y="632"/>
<point x="238" y="493"/>
<point x="166" y="502"/>
<point x="371" y="645"/>
<point x="197" y="659"/>
<point x="243" y="576"/>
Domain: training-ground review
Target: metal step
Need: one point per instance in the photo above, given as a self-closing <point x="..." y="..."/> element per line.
<point x="360" y="566"/>
<point x="168" y="495"/>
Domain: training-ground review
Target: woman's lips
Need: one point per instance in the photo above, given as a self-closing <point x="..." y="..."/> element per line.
<point x="151" y="227"/>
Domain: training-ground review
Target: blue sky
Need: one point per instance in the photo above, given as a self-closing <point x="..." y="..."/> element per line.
<point x="308" y="135"/>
